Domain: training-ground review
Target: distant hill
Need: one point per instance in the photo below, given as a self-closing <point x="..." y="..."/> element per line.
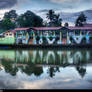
<point x="71" y="17"/>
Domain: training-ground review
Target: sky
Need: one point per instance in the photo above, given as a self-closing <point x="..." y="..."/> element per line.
<point x="41" y="6"/>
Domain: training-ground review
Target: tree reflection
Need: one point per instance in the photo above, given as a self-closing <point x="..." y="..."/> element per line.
<point x="30" y="59"/>
<point x="38" y="71"/>
<point x="81" y="70"/>
<point x="52" y="71"/>
<point x="9" y="68"/>
<point x="32" y="69"/>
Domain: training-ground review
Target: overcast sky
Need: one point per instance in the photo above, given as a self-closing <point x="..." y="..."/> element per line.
<point x="40" y="6"/>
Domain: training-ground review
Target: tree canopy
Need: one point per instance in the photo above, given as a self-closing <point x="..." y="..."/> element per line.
<point x="7" y="24"/>
<point x="11" y="14"/>
<point x="66" y="24"/>
<point x="54" y="19"/>
<point x="29" y="19"/>
<point x="9" y="20"/>
<point x="81" y="20"/>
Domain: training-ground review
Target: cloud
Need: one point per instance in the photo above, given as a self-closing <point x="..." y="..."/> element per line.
<point x="44" y="10"/>
<point x="2" y="12"/>
<point x="7" y="3"/>
<point x="73" y="5"/>
<point x="72" y="2"/>
<point x="65" y="1"/>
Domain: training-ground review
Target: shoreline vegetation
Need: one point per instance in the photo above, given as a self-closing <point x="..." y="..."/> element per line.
<point x="12" y="20"/>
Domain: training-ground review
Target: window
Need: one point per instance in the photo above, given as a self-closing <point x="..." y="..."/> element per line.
<point x="10" y="34"/>
<point x="84" y="32"/>
<point x="71" y="33"/>
<point x="90" y="33"/>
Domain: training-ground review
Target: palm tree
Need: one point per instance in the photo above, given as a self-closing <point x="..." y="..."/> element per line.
<point x="50" y="15"/>
<point x="58" y="20"/>
<point x="55" y="19"/>
<point x="81" y="20"/>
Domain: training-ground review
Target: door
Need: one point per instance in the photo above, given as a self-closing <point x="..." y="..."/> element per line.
<point x="64" y="37"/>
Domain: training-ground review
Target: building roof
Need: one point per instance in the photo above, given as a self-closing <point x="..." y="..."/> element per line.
<point x="53" y="28"/>
<point x="26" y="28"/>
<point x="20" y="29"/>
<point x="79" y="28"/>
<point x="46" y="28"/>
<point x="88" y="25"/>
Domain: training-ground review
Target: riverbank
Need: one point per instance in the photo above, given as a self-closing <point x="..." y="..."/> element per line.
<point x="86" y="46"/>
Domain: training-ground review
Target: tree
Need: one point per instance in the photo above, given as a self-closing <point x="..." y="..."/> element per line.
<point x="29" y="19"/>
<point x="9" y="20"/>
<point x="81" y="20"/>
<point x="54" y="19"/>
<point x="7" y="24"/>
<point x="51" y="15"/>
<point x="57" y="20"/>
<point x="11" y="14"/>
<point x="45" y="24"/>
<point x="66" y="24"/>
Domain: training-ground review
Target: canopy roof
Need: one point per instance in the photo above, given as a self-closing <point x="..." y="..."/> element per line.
<point x="53" y="28"/>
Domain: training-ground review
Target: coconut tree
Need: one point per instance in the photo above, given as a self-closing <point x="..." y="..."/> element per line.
<point x="81" y="20"/>
<point x="54" y="19"/>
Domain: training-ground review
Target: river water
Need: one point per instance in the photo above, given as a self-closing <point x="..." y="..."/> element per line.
<point x="46" y="69"/>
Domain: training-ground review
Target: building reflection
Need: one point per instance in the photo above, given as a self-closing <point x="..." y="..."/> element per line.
<point x="32" y="61"/>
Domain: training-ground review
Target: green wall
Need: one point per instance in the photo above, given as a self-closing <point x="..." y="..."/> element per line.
<point x="7" y="40"/>
<point x="8" y="55"/>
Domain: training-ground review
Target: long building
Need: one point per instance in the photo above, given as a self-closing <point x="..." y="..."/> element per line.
<point x="49" y="35"/>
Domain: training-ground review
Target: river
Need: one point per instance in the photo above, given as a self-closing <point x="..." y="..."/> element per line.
<point x="46" y="69"/>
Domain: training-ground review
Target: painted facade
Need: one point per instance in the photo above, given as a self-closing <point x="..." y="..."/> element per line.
<point x="54" y="35"/>
<point x="7" y="38"/>
<point x="48" y="36"/>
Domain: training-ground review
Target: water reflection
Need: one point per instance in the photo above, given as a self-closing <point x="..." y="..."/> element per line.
<point x="32" y="61"/>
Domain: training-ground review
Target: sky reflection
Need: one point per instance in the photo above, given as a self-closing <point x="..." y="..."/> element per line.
<point x="21" y="72"/>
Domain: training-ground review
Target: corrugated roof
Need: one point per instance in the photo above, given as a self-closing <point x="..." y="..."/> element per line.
<point x="79" y="28"/>
<point x="47" y="28"/>
<point x="17" y="29"/>
<point x="88" y="25"/>
<point x="53" y="28"/>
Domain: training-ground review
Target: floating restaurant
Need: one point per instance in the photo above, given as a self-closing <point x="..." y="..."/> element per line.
<point x="48" y="35"/>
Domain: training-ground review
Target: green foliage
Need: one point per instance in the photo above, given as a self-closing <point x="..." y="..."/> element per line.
<point x="29" y="19"/>
<point x="1" y="31"/>
<point x="9" y="20"/>
<point x="54" y="19"/>
<point x="66" y="24"/>
<point x="7" y="24"/>
<point x="50" y="15"/>
<point x="81" y="20"/>
<point x="10" y="14"/>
